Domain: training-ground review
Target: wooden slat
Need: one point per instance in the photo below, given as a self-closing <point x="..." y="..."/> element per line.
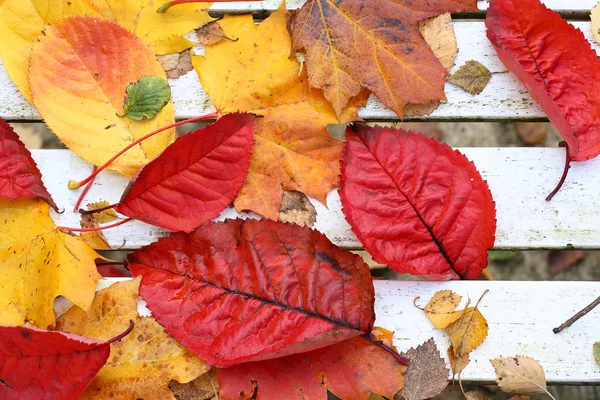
<point x="503" y="98"/>
<point x="520" y="315"/>
<point x="519" y="179"/>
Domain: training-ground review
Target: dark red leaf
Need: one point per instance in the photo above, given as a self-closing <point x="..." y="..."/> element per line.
<point x="195" y="178"/>
<point x="20" y="177"/>
<point x="415" y="204"/>
<point x="239" y="291"/>
<point x="351" y="370"/>
<point x="556" y="64"/>
<point x="47" y="365"/>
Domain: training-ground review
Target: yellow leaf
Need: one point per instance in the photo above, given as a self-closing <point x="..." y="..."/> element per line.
<point x="79" y="71"/>
<point x="38" y="263"/>
<point x="21" y="22"/>
<point x="102" y="217"/>
<point x="520" y="374"/>
<point x="94" y="239"/>
<point x="145" y="361"/>
<point x="468" y="332"/>
<point x="440" y="309"/>
<point x="161" y="32"/>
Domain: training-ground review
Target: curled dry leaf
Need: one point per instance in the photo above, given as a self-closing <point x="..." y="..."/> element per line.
<point x="442" y="232"/>
<point x="38" y="263"/>
<point x="141" y="365"/>
<point x="427" y="375"/>
<point x="38" y="364"/>
<point x="176" y="65"/>
<point x="94" y="239"/>
<point x="211" y="33"/>
<point x="473" y="77"/>
<point x="296" y="208"/>
<point x="205" y="387"/>
<point x="247" y="290"/>
<point x="69" y="77"/>
<point x="146" y="97"/>
<point x="477" y="395"/>
<point x="351" y="370"/>
<point x="384" y="37"/>
<point x="595" y="17"/>
<point x="20" y="177"/>
<point x="520" y="374"/>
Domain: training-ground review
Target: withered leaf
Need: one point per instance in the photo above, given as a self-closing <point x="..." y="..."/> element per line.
<point x="457" y="364"/>
<point x="427" y="374"/>
<point x="473" y="77"/>
<point x="477" y="395"/>
<point x="203" y="388"/>
<point x="520" y="374"/>
<point x="211" y="33"/>
<point x="102" y="217"/>
<point x="176" y="65"/>
<point x="296" y="208"/>
<point x="94" y="239"/>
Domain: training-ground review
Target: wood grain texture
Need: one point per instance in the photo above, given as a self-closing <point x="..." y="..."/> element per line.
<point x="503" y="98"/>
<point x="520" y="315"/>
<point x="519" y="178"/>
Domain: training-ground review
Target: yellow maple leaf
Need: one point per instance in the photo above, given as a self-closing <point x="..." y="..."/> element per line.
<point x="38" y="263"/>
<point x="162" y="32"/>
<point x="79" y="71"/>
<point x="145" y="361"/>
<point x="256" y="73"/>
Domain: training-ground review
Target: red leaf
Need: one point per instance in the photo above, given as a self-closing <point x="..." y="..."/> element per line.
<point x="20" y="177"/>
<point x="45" y="365"/>
<point x="239" y="291"/>
<point x="415" y="204"/>
<point x="195" y="178"/>
<point x="351" y="370"/>
<point x="556" y="64"/>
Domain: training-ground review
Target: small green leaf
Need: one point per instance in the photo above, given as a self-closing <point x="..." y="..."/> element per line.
<point x="597" y="351"/>
<point x="146" y="97"/>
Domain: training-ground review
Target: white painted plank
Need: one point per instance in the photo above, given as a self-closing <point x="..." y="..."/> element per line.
<point x="519" y="178"/>
<point x="503" y="98"/>
<point x="520" y="315"/>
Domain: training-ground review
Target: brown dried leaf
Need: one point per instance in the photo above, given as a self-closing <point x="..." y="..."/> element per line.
<point x="520" y="374"/>
<point x="560" y="260"/>
<point x="520" y="397"/>
<point x="477" y="395"/>
<point x="457" y="364"/>
<point x="297" y="209"/>
<point x="94" y="239"/>
<point x="531" y="133"/>
<point x="176" y="65"/>
<point x="203" y="388"/>
<point x="473" y="77"/>
<point x="105" y="216"/>
<point x="211" y="33"/>
<point x="427" y="375"/>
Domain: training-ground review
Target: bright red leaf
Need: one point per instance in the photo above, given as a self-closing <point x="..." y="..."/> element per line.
<point x="47" y="365"/>
<point x="239" y="291"/>
<point x="556" y="64"/>
<point x="195" y="178"/>
<point x="20" y="177"/>
<point x="415" y="204"/>
<point x="351" y="370"/>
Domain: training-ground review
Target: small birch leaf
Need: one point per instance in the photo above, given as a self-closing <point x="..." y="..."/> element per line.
<point x="597" y="352"/>
<point x="94" y="239"/>
<point x="427" y="374"/>
<point x="211" y="33"/>
<point x="473" y="77"/>
<point x="468" y="332"/>
<point x="146" y="97"/>
<point x="595" y="17"/>
<point x="440" y="309"/>
<point x="457" y="364"/>
<point x="520" y="375"/>
<point x="176" y="65"/>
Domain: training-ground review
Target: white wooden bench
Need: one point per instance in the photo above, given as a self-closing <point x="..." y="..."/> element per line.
<point x="521" y="315"/>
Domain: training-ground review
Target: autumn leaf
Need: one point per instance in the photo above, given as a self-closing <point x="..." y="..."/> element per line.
<point x="79" y="95"/>
<point x="105" y="216"/>
<point x="556" y="64"/>
<point x="351" y="370"/>
<point x="384" y="37"/>
<point x="211" y="33"/>
<point x="595" y="17"/>
<point x="521" y="375"/>
<point x="206" y="387"/>
<point x="597" y="352"/>
<point x="468" y="332"/>
<point x="427" y="375"/>
<point x="38" y="364"/>
<point x="162" y="32"/>
<point x="473" y="76"/>
<point x="94" y="239"/>
<point x="249" y="290"/>
<point x="477" y="395"/>
<point x="415" y="204"/>
<point x="257" y="74"/>
<point x="20" y="177"/>
<point x="296" y="208"/>
<point x="176" y="65"/>
<point x="38" y="263"/>
<point x="142" y="364"/>
<point x="146" y="97"/>
<point x="440" y="309"/>
<point x="195" y="178"/>
<point x="457" y="364"/>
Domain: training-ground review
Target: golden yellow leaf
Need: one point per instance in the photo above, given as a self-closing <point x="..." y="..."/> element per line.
<point x="38" y="263"/>
<point x="440" y="309"/>
<point x="94" y="239"/>
<point x="162" y="32"/>
<point x="21" y="22"/>
<point x="102" y="217"/>
<point x="258" y="74"/>
<point x="520" y="374"/>
<point x="79" y="71"/>
<point x="145" y="361"/>
<point x="468" y="332"/>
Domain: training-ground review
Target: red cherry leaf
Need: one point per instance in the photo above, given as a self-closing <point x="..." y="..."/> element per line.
<point x="351" y="370"/>
<point x="38" y="364"/>
<point x="415" y="204"/>
<point x="195" y="178"/>
<point x="556" y="64"/>
<point x="249" y="290"/>
<point x="20" y="177"/>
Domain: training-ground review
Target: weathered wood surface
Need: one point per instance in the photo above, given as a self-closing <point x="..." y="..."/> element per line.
<point x="520" y="315"/>
<point x="519" y="178"/>
<point x="503" y="98"/>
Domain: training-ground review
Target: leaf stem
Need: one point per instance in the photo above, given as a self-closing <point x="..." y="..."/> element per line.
<point x="98" y="210"/>
<point x="76" y="185"/>
<point x="84" y="192"/>
<point x="165" y="7"/>
<point x="122" y="335"/>
<point x="99" y="228"/>
<point x="575" y="317"/>
<point x="402" y="360"/>
<point x="565" y="172"/>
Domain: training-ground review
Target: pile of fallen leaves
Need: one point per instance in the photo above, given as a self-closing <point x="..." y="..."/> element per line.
<point x="251" y="308"/>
